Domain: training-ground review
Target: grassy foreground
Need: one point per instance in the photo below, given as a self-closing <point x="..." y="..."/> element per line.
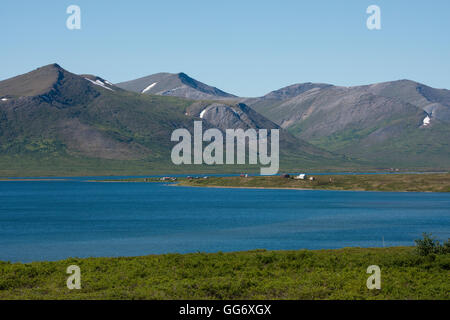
<point x="434" y="182"/>
<point x="303" y="274"/>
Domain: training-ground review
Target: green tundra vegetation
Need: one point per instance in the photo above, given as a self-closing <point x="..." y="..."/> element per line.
<point x="436" y="182"/>
<point x="406" y="273"/>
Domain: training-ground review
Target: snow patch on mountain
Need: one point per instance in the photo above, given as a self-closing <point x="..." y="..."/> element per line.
<point x="235" y="112"/>
<point x="149" y="87"/>
<point x="426" y="121"/>
<point x="99" y="83"/>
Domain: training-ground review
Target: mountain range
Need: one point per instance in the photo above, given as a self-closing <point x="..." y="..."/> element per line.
<point x="391" y="124"/>
<point x="401" y="123"/>
<point x="54" y="122"/>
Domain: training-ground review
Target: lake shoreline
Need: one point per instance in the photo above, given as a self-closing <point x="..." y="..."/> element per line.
<point x="411" y="182"/>
<point x="438" y="183"/>
<point x="299" y="189"/>
<point x="388" y="182"/>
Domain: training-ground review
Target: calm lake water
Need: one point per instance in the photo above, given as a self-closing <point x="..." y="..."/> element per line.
<point x="51" y="220"/>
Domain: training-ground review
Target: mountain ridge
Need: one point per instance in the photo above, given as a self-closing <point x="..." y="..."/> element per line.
<point x="56" y="119"/>
<point x="174" y="84"/>
<point x="390" y="123"/>
<point x="52" y="111"/>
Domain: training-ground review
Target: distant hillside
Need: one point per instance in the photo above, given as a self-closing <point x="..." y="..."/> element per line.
<point x="402" y="124"/>
<point x="178" y="85"/>
<point x="55" y="122"/>
<point x="435" y="102"/>
<point x="394" y="124"/>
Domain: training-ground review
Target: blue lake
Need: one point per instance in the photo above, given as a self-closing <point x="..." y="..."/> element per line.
<point x="51" y="220"/>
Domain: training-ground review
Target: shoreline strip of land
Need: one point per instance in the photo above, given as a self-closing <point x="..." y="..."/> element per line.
<point x="410" y="182"/>
<point x="432" y="182"/>
<point x="381" y="182"/>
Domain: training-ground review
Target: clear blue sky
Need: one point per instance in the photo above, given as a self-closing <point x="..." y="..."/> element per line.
<point x="244" y="47"/>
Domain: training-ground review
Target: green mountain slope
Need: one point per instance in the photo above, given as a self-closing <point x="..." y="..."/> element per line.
<point x="396" y="124"/>
<point x="53" y="122"/>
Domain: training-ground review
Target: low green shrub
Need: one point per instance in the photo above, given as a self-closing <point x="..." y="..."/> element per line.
<point x="429" y="245"/>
